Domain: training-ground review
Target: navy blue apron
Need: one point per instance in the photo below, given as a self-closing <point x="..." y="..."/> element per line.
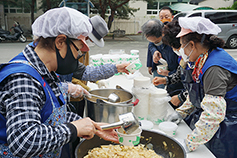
<point x="51" y="114"/>
<point x="224" y="143"/>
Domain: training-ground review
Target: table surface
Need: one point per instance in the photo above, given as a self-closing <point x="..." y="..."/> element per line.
<point x="126" y="82"/>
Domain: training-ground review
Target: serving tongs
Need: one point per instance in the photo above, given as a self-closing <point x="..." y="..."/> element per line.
<point x="128" y="122"/>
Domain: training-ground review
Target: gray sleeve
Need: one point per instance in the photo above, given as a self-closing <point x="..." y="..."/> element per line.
<point x="215" y="81"/>
<point x="79" y="71"/>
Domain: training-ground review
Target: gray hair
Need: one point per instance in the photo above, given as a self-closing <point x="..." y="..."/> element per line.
<point x="152" y="27"/>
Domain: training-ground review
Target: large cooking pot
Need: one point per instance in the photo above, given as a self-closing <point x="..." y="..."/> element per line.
<point x="105" y="111"/>
<point x="162" y="145"/>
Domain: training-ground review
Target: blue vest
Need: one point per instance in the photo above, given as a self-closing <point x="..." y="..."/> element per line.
<point x="224" y="143"/>
<point x="11" y="68"/>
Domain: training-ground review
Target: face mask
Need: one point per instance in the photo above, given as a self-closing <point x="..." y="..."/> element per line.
<point x="68" y="64"/>
<point x="177" y="52"/>
<point x="184" y="56"/>
<point x="165" y="20"/>
<point x="158" y="44"/>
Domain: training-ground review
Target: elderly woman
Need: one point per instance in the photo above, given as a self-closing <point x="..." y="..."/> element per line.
<point x="170" y="31"/>
<point x="34" y="121"/>
<point x="210" y="109"/>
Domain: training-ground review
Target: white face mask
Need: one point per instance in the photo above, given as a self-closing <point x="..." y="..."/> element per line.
<point x="177" y="52"/>
<point x="158" y="44"/>
<point x="184" y="56"/>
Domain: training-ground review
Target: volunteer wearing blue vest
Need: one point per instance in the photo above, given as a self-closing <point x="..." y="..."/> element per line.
<point x="211" y="107"/>
<point x="34" y="121"/>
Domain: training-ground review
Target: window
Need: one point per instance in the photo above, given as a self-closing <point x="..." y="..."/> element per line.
<point x="162" y="4"/>
<point x="195" y="14"/>
<point x="152" y="5"/>
<point x="216" y="17"/>
<point x="20" y="6"/>
<point x="176" y="17"/>
<point x="231" y="17"/>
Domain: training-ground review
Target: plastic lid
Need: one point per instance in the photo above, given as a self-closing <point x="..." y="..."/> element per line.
<point x="145" y="124"/>
<point x="168" y="126"/>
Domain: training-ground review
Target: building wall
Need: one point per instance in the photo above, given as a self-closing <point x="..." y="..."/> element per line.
<point x="23" y="18"/>
<point x="217" y="4"/>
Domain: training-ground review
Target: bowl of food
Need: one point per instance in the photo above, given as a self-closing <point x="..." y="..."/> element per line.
<point x="163" y="146"/>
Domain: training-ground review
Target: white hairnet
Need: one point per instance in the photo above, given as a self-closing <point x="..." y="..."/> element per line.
<point x="200" y="25"/>
<point x="64" y="20"/>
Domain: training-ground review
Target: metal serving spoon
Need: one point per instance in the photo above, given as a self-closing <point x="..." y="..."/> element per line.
<point x="111" y="98"/>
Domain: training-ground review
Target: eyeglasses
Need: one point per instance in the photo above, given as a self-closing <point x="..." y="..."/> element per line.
<point x="80" y="54"/>
<point x="74" y="45"/>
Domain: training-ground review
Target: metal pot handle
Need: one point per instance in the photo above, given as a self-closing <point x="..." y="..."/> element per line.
<point x="135" y="102"/>
<point x="99" y="101"/>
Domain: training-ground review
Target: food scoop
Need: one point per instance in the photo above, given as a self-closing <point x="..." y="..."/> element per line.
<point x="111" y="98"/>
<point x="128" y="121"/>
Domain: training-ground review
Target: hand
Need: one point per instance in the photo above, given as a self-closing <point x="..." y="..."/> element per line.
<point x="150" y="70"/>
<point x="122" y="67"/>
<point x="163" y="72"/>
<point x="158" y="80"/>
<point x="86" y="128"/>
<point x="174" y="117"/>
<point x="76" y="90"/>
<point x="182" y="142"/>
<point x="156" y="56"/>
<point x="102" y="83"/>
<point x="109" y="135"/>
<point x="175" y="100"/>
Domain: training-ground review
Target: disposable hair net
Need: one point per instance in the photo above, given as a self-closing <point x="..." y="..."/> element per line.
<point x="200" y="25"/>
<point x="64" y="20"/>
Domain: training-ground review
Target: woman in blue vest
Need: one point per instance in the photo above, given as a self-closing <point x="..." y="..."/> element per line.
<point x="34" y="121"/>
<point x="211" y="106"/>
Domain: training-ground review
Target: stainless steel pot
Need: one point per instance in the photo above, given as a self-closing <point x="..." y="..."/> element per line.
<point x="105" y="111"/>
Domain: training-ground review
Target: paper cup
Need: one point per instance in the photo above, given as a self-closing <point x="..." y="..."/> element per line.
<point x="169" y="128"/>
<point x="134" y="52"/>
<point x="162" y="67"/>
<point x="106" y="59"/>
<point x="116" y="51"/>
<point x="134" y="66"/>
<point x="129" y="139"/>
<point x="95" y="60"/>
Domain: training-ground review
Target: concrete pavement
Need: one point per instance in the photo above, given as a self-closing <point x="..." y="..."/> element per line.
<point x="9" y="50"/>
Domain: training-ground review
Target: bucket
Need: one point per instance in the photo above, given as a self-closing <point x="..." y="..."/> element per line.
<point x="104" y="111"/>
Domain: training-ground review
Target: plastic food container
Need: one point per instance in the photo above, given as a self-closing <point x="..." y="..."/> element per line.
<point x="145" y="124"/>
<point x="134" y="66"/>
<point x="169" y="128"/>
<point x="129" y="139"/>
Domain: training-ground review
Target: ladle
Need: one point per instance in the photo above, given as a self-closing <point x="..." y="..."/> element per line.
<point x="111" y="98"/>
<point x="128" y="121"/>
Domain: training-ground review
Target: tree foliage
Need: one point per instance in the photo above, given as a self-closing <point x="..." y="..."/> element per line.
<point x="119" y="8"/>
